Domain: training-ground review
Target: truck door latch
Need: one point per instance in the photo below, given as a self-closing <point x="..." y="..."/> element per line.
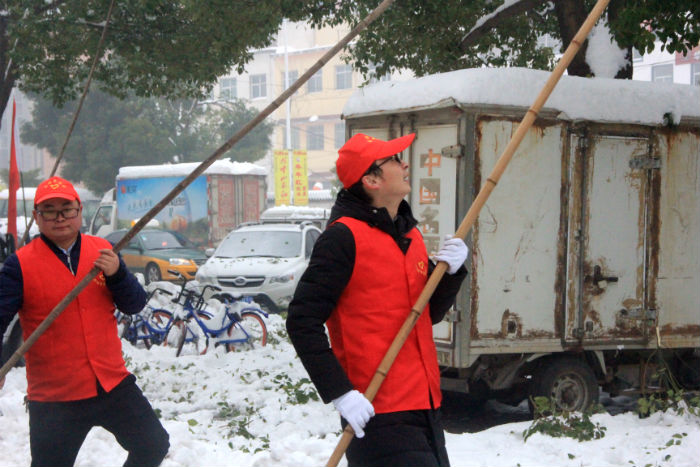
<point x="598" y="276"/>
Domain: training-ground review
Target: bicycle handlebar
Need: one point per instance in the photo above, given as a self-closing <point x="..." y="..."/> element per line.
<point x="158" y="289"/>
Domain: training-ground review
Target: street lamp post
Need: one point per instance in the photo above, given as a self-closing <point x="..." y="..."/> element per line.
<point x="288" y="119"/>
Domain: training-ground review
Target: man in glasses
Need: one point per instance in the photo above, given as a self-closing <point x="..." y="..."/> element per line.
<point x="365" y="273"/>
<point x="76" y="376"/>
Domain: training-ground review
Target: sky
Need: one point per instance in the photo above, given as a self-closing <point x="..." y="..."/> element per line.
<point x="257" y="408"/>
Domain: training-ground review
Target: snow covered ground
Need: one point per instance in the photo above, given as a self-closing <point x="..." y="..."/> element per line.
<point x="257" y="408"/>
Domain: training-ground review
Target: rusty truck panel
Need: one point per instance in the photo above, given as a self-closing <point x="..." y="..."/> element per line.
<point x="588" y="250"/>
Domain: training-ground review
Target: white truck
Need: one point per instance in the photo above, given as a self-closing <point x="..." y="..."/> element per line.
<point x="227" y="194"/>
<point x="584" y="269"/>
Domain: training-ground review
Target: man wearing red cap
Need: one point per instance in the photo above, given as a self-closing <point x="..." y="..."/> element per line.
<point x="366" y="272"/>
<point x="76" y="377"/>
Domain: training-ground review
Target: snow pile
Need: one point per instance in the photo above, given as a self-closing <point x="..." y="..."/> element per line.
<point x="257" y="408"/>
<point x="593" y="99"/>
<point x="603" y="54"/>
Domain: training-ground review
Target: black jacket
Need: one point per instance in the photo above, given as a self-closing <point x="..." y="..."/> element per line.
<point x="329" y="271"/>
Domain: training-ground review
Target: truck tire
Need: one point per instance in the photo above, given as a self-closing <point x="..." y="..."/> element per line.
<point x="570" y="382"/>
<point x="152" y="273"/>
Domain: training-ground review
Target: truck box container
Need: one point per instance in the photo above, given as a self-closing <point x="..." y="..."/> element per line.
<point x="585" y="261"/>
<point x="227" y="194"/>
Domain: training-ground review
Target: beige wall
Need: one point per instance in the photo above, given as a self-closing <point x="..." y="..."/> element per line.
<point x="323" y="107"/>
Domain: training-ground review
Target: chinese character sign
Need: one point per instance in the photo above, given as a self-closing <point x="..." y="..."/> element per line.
<point x="301" y="182"/>
<point x="282" y="191"/>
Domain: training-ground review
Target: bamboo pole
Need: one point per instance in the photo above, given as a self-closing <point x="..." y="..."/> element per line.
<point x="470" y="218"/>
<point x="193" y="175"/>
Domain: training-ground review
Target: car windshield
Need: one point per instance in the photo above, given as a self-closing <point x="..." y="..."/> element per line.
<point x="271" y="244"/>
<point x="159" y="240"/>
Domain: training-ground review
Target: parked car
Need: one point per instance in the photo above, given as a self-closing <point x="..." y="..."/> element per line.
<point x="153" y="251"/>
<point x="263" y="261"/>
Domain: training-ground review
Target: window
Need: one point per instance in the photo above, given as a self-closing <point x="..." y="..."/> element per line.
<point x="315" y="83"/>
<point x="662" y="73"/>
<point x="293" y="76"/>
<point x="311" y="237"/>
<point x="372" y="74"/>
<point x="296" y="138"/>
<point x="103" y="217"/>
<point x="227" y="88"/>
<point x="314" y="137"/>
<point x="258" y="86"/>
<point x="343" y="77"/>
<point x="339" y="139"/>
<point x="695" y="74"/>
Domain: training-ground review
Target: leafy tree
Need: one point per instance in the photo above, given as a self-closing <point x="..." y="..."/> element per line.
<point x="28" y="178"/>
<point x="140" y="131"/>
<point x="167" y="48"/>
<point x="432" y="37"/>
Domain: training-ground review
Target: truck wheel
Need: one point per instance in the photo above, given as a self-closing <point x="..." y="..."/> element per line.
<point x="568" y="381"/>
<point x="152" y="273"/>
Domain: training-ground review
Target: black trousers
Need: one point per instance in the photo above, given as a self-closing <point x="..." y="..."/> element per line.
<point x="58" y="429"/>
<point x="400" y="439"/>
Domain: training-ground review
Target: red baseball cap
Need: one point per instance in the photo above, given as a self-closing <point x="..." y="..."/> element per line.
<point x="358" y="153"/>
<point x="55" y="187"/>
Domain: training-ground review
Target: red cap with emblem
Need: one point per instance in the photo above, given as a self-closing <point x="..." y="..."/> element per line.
<point x="358" y="153"/>
<point x="55" y="187"/>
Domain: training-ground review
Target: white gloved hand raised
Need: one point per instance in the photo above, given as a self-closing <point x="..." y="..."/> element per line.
<point x="356" y="409"/>
<point x="454" y="252"/>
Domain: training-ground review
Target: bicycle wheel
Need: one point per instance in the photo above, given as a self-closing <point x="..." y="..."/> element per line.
<point x="250" y="330"/>
<point x="123" y="324"/>
<point x="188" y="338"/>
<point x="159" y="323"/>
<point x="144" y="335"/>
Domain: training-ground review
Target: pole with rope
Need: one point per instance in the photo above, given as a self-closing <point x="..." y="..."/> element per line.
<point x="470" y="218"/>
<point x="199" y="170"/>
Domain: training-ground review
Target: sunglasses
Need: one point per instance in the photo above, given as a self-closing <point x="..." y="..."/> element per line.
<point x="395" y="157"/>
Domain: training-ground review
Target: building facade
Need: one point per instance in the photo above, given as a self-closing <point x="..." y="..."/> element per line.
<point x="311" y="118"/>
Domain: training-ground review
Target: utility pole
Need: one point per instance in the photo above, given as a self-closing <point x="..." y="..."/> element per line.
<point x="288" y="106"/>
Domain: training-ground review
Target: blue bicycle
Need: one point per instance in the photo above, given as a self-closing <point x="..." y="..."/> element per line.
<point x="238" y="325"/>
<point x="148" y="327"/>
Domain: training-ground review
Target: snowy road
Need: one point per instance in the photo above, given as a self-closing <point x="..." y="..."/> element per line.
<point x="257" y="408"/>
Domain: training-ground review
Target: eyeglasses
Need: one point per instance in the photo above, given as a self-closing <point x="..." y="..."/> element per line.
<point x="395" y="157"/>
<point x="68" y="213"/>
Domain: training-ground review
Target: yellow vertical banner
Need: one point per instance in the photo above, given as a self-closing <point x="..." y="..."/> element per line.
<point x="282" y="189"/>
<point x="301" y="182"/>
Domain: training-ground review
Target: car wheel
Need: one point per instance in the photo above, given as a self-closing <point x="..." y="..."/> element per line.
<point x="152" y="273"/>
<point x="569" y="382"/>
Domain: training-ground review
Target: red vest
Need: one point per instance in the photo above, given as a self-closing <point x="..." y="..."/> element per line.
<point x="383" y="287"/>
<point x="81" y="346"/>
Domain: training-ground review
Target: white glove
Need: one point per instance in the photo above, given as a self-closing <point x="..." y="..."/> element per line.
<point x="454" y="252"/>
<point x="356" y="409"/>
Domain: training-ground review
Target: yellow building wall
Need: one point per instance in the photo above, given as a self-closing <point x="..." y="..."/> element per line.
<point x="323" y="107"/>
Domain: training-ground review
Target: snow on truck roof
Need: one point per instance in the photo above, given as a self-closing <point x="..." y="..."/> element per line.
<point x="593" y="99"/>
<point x="223" y="166"/>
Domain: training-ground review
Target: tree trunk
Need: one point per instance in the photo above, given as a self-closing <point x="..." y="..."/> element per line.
<point x="7" y="75"/>
<point x="571" y="14"/>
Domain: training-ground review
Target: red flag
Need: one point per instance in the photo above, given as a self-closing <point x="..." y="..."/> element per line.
<point x="14" y="182"/>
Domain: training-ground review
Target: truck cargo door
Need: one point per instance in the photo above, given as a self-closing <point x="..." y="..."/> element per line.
<point x="612" y="244"/>
<point x="433" y="196"/>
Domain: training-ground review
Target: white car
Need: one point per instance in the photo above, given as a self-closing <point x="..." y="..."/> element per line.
<point x="263" y="261"/>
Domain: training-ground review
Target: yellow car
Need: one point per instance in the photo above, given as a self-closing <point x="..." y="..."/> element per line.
<point x="153" y="251"/>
